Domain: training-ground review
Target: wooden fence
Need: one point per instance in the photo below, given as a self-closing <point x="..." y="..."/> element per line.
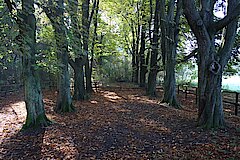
<point x="234" y="100"/>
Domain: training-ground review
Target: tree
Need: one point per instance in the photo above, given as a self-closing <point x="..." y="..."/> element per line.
<point x="26" y="21"/>
<point x="77" y="62"/>
<point x="169" y="41"/>
<point x="211" y="60"/>
<point x="86" y="22"/>
<point x="151" y="88"/>
<point x="55" y="12"/>
<point x="143" y="63"/>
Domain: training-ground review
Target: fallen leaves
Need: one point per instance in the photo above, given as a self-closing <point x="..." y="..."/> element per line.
<point x="116" y="124"/>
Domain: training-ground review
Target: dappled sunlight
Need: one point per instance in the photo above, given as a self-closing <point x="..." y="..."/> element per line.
<point x="111" y="96"/>
<point x="20" y="109"/>
<point x="142" y="99"/>
<point x="93" y="102"/>
<point x="227" y="110"/>
<point x="12" y="117"/>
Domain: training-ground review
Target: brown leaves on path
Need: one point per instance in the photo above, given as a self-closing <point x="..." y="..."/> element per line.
<point x="116" y="123"/>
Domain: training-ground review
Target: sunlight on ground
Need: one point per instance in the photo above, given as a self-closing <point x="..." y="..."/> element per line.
<point x="111" y="96"/>
<point x="143" y="99"/>
<point x="94" y="102"/>
<point x="12" y="117"/>
<point x="20" y="109"/>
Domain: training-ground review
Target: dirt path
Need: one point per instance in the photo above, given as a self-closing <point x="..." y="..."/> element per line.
<point x="116" y="123"/>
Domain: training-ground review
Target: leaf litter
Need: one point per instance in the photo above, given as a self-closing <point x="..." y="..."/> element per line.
<point x="116" y="124"/>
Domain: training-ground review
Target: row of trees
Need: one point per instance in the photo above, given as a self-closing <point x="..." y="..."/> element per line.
<point x="153" y="32"/>
<point x="156" y="25"/>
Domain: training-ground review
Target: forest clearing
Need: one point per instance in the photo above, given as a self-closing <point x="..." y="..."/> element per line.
<point x="117" y="124"/>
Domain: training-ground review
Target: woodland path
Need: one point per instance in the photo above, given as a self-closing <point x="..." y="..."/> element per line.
<point x="116" y="123"/>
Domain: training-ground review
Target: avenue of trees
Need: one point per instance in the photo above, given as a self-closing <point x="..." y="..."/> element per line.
<point x="121" y="40"/>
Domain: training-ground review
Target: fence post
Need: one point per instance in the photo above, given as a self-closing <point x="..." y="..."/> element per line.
<point x="236" y="105"/>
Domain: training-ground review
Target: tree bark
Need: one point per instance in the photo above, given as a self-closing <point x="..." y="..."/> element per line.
<point x="36" y="116"/>
<point x="151" y="88"/>
<point x="78" y="63"/>
<point x="171" y="32"/>
<point x="211" y="61"/>
<point x="143" y="61"/>
<point x="95" y="23"/>
<point x="85" y="33"/>
<point x="79" y="93"/>
<point x="143" y="66"/>
<point x="55" y="14"/>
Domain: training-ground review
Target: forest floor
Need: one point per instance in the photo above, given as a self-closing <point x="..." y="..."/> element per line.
<point x="117" y="123"/>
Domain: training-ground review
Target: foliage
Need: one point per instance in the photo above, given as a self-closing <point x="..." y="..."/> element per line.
<point x="186" y="72"/>
<point x="46" y="45"/>
<point x="114" y="68"/>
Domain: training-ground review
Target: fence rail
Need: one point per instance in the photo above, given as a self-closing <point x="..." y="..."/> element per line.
<point x="194" y="90"/>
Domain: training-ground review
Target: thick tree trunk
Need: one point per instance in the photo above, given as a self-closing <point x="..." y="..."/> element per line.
<point x="33" y="95"/>
<point x="151" y="88"/>
<point x="211" y="115"/>
<point x="170" y="82"/>
<point x="85" y="33"/>
<point x="78" y="63"/>
<point x="79" y="88"/>
<point x="55" y="14"/>
<point x="64" y="100"/>
<point x="171" y="40"/>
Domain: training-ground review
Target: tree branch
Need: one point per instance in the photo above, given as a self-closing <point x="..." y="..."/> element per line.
<point x="194" y="20"/>
<point x="226" y="20"/>
<point x="92" y="12"/>
<point x="186" y="58"/>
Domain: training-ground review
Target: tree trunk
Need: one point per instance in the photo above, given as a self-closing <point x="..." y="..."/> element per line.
<point x="211" y="62"/>
<point x="33" y="95"/>
<point x="85" y="33"/>
<point x="95" y="23"/>
<point x="64" y="100"/>
<point x="143" y="66"/>
<point x="79" y="88"/>
<point x="171" y="40"/>
<point x="151" y="88"/>
<point x="80" y="60"/>
<point x="211" y="112"/>
<point x="55" y="14"/>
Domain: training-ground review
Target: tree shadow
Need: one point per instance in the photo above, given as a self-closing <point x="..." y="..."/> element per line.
<point x="26" y="144"/>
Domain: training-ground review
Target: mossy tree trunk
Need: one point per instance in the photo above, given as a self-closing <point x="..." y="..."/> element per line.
<point x="36" y="116"/>
<point x="211" y="61"/>
<point x="55" y="13"/>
